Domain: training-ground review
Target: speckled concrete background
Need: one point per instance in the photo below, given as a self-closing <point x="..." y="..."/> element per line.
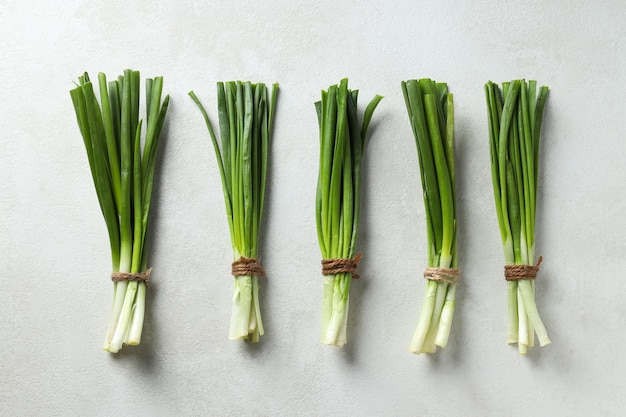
<point x="54" y="257"/>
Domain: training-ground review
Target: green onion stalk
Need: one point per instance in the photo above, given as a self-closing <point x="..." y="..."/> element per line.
<point x="431" y="111"/>
<point x="123" y="175"/>
<point x="246" y="113"/>
<point x="342" y="143"/>
<point x="515" y="115"/>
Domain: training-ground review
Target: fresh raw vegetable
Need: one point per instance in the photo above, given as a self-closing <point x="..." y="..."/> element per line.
<point x="515" y="115"/>
<point x="246" y="114"/>
<point x="342" y="142"/>
<point x="123" y="176"/>
<point x="431" y="111"/>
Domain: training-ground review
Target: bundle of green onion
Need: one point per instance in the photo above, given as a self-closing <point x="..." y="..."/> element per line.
<point x="342" y="142"/>
<point x="123" y="176"/>
<point x="431" y="111"/>
<point x="515" y="115"/>
<point x="246" y="112"/>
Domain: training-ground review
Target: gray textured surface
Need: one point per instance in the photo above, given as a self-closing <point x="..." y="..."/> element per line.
<point x="54" y="258"/>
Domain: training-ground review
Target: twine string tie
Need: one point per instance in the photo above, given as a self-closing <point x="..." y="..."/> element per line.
<point x="448" y="275"/>
<point x="136" y="276"/>
<point x="517" y="272"/>
<point x="336" y="266"/>
<point x="247" y="266"/>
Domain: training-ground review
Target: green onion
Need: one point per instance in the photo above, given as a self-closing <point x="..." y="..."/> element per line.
<point x="431" y="111"/>
<point x="246" y="113"/>
<point x="342" y="142"/>
<point x="515" y="115"/>
<point x="123" y="177"/>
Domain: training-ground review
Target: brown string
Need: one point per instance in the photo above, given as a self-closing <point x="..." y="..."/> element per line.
<point x="517" y="272"/>
<point x="336" y="266"/>
<point x="127" y="276"/>
<point x="449" y="275"/>
<point x="247" y="266"/>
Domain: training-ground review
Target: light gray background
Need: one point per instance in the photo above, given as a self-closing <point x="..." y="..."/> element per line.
<point x="54" y="257"/>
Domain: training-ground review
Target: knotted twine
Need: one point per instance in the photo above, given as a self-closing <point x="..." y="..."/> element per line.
<point x="247" y="266"/>
<point x="127" y="276"/>
<point x="336" y="266"/>
<point x="449" y="275"/>
<point x="517" y="272"/>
